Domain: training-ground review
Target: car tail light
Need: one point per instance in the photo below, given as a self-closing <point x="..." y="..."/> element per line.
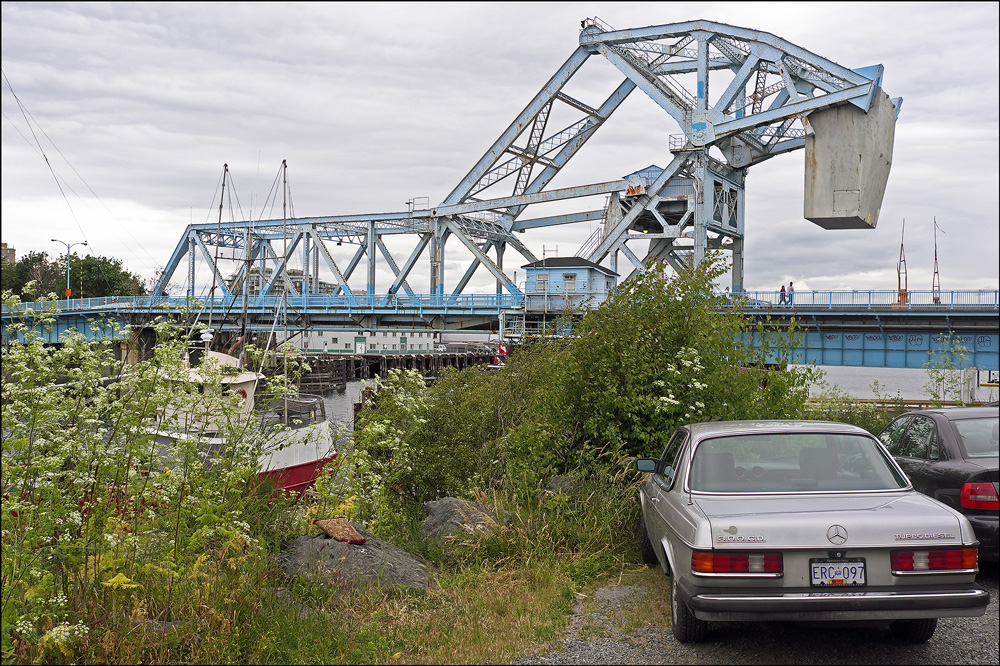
<point x="735" y="562"/>
<point x="934" y="560"/>
<point x="980" y="496"/>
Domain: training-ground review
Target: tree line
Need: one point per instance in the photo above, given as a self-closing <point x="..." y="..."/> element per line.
<point x="89" y="276"/>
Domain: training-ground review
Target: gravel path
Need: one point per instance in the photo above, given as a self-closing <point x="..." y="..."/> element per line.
<point x="596" y="636"/>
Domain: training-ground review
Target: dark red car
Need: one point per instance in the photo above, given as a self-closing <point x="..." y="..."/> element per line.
<point x="951" y="454"/>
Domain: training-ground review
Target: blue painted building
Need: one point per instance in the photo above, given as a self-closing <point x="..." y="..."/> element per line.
<point x="561" y="284"/>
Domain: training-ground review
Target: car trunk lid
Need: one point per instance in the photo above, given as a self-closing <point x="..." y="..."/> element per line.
<point x="813" y="520"/>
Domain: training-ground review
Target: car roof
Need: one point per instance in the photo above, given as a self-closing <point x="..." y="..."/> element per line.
<point x="956" y="413"/>
<point x="772" y="426"/>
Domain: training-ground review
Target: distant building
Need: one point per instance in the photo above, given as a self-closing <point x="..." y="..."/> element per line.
<point x="259" y="278"/>
<point x="559" y="284"/>
<point x="7" y="254"/>
<point x="384" y="341"/>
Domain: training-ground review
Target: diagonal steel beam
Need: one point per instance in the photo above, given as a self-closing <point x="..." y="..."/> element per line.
<point x="471" y="270"/>
<point x="279" y="270"/>
<point x="544" y="96"/>
<point x="738" y="84"/>
<point x="621" y="246"/>
<point x="328" y="258"/>
<point x="573" y="146"/>
<point x="395" y="269"/>
<point x="220" y="281"/>
<point x="479" y="254"/>
<point x="658" y="32"/>
<point x="798" y="108"/>
<point x="649" y="84"/>
<point x="404" y="272"/>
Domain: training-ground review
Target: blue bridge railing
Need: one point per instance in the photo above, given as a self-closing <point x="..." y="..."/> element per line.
<point x="472" y="303"/>
<point x="484" y="304"/>
<point x="978" y="299"/>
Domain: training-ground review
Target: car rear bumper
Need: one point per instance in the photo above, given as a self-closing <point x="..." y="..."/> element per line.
<point x="808" y="605"/>
<point x="987" y="529"/>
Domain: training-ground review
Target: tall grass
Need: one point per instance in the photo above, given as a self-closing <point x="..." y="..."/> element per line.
<point x="118" y="551"/>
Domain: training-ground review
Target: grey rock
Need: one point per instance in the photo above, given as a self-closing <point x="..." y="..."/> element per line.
<point x="451" y="516"/>
<point x="375" y="562"/>
<point x="561" y="484"/>
<point x="161" y="626"/>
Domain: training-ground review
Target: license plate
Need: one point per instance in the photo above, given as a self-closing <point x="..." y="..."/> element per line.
<point x="838" y="572"/>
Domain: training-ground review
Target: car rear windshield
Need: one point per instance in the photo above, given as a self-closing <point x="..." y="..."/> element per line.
<point x="979" y="436"/>
<point x="792" y="462"/>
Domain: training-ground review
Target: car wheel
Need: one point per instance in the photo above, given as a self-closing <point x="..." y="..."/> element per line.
<point x="686" y="627"/>
<point x="645" y="545"/>
<point x="914" y="631"/>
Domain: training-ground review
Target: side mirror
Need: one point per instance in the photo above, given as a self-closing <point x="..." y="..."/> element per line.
<point x="646" y="464"/>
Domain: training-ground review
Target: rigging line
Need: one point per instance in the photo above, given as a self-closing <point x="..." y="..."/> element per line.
<point x="233" y="193"/>
<point x="220" y="183"/>
<point x="291" y="204"/>
<point x="275" y="186"/>
<point x="24" y="112"/>
<point x="273" y="191"/>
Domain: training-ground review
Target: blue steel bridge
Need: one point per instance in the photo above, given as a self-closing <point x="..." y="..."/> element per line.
<point x="736" y="96"/>
<point x="849" y="328"/>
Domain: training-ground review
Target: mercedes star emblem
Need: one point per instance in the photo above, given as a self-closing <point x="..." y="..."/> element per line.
<point x="837" y="534"/>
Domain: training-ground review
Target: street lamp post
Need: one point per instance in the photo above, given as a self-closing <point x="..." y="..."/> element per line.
<point x="68" y="246"/>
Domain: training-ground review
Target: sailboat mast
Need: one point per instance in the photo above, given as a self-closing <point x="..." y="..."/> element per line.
<point x="247" y="270"/>
<point x="284" y="239"/>
<point x="218" y="234"/>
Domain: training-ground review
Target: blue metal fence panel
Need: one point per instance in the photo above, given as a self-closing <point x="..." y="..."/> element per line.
<point x="891" y="350"/>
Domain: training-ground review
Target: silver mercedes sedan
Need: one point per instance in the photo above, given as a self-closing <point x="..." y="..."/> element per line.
<point x="801" y="521"/>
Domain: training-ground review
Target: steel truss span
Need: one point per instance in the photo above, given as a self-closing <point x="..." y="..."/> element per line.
<point x="739" y="97"/>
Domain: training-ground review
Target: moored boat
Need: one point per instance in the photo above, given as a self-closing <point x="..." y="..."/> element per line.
<point x="292" y="436"/>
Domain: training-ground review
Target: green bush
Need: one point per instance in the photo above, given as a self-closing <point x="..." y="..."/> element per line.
<point x="105" y="527"/>
<point x="659" y="353"/>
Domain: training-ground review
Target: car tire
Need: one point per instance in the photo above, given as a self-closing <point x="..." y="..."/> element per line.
<point x="914" y="631"/>
<point x="686" y="627"/>
<point x="645" y="545"/>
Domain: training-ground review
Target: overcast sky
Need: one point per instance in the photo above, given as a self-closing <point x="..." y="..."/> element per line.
<point x="137" y="106"/>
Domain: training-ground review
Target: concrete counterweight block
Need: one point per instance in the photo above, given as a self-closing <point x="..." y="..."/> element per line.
<point x="848" y="156"/>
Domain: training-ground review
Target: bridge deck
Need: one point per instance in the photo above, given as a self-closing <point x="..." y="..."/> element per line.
<point x="859" y="328"/>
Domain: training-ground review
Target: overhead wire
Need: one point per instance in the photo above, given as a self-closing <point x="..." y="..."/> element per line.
<point x="38" y="143"/>
<point x="31" y="121"/>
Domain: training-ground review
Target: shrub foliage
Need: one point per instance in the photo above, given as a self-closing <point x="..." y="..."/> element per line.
<point x="110" y="535"/>
<point x="657" y="354"/>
